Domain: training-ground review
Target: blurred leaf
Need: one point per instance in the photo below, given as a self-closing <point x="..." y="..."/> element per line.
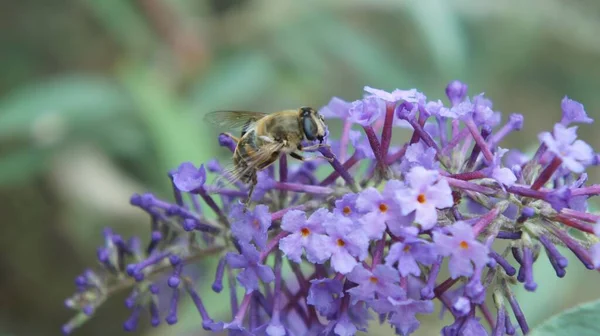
<point x="443" y="34"/>
<point x="174" y="136"/>
<point x="233" y="82"/>
<point x="372" y="64"/>
<point x="124" y="22"/>
<point x="581" y="320"/>
<point x="76" y="99"/>
<point x="18" y="166"/>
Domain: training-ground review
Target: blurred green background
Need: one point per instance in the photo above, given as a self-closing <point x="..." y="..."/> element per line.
<point x="98" y="99"/>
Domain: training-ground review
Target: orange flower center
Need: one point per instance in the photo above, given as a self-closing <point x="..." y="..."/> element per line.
<point x="406" y="248"/>
<point x="256" y="223"/>
<point x="347" y="210"/>
<point x="421" y="198"/>
<point x="464" y="245"/>
<point x="341" y="243"/>
<point x="383" y="207"/>
<point x="305" y="232"/>
<point x="373" y="279"/>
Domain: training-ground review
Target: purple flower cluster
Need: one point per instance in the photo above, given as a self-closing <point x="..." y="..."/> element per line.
<point x="325" y="256"/>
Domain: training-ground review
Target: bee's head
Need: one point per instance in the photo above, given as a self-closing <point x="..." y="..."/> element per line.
<point x="312" y="124"/>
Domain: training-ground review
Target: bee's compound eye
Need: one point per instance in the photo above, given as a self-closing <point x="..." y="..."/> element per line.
<point x="309" y="127"/>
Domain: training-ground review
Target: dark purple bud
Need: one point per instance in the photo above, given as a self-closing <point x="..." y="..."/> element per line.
<point x="103" y="255"/>
<point x="500" y="322"/>
<point x="154" y="315"/>
<point x="132" y="322"/>
<point x="516" y="121"/>
<point x="154" y="289"/>
<point x="227" y="141"/>
<point x="189" y="224"/>
<point x="518" y="313"/>
<point x="138" y="276"/>
<point x="217" y="285"/>
<point x="131" y="300"/>
<point x="528" y="212"/>
<point x="154" y="240"/>
<point x="553" y="252"/>
<point x="530" y="285"/>
<point x="510" y="329"/>
<point x="130" y="269"/>
<point x="135" y="200"/>
<point x="198" y="302"/>
<point x="172" y="317"/>
<point x="456" y="91"/>
<point x="88" y="310"/>
<point x="509" y="235"/>
<point x="81" y="281"/>
<point x="503" y="263"/>
<point x="213" y="166"/>
<point x="559" y="199"/>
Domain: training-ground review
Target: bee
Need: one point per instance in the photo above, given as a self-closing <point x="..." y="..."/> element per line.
<point x="265" y="137"/>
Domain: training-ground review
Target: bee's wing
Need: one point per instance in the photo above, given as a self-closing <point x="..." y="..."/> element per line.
<point x="233" y="119"/>
<point x="233" y="173"/>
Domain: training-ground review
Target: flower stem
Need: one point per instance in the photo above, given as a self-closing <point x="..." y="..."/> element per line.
<point x="483" y="146"/>
<point x="337" y="166"/>
<point x="547" y="173"/>
<point x="386" y="132"/>
<point x="344" y="139"/>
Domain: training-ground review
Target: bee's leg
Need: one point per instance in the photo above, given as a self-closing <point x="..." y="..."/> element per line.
<point x="313" y="147"/>
<point x="253" y="183"/>
<point x="304" y="159"/>
<point x="234" y="138"/>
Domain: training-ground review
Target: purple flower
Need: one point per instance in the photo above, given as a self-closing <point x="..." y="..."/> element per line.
<point x="394" y="96"/>
<point x="364" y="112"/>
<point x="482" y="113"/>
<point x="188" y="178"/>
<point x="573" y="112"/>
<point x="336" y="108"/>
<point x="350" y="321"/>
<point x="418" y="154"/>
<point x="575" y="154"/>
<point x="460" y="111"/>
<point x="402" y="312"/>
<point x="456" y="91"/>
<point x="249" y="260"/>
<point x="382" y="280"/>
<point x="347" y="242"/>
<point x="265" y="184"/>
<point x="326" y="295"/>
<point x="251" y="225"/>
<point x="407" y="253"/>
<point x="308" y="235"/>
<point x="427" y="192"/>
<point x="378" y="208"/>
<point x="462" y="247"/>
<point x="346" y="206"/>
<point x="502" y="175"/>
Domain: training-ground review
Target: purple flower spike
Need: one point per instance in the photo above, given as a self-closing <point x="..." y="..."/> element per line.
<point x="172" y="317"/>
<point x="249" y="226"/>
<point x="575" y="154"/>
<point x="410" y="252"/>
<point x="463" y="249"/>
<point x="347" y="243"/>
<point x="427" y="192"/>
<point x="456" y="91"/>
<point x="188" y="178"/>
<point x="382" y="280"/>
<point x="365" y="112"/>
<point x="308" y="235"/>
<point x="573" y="112"/>
<point x="253" y="270"/>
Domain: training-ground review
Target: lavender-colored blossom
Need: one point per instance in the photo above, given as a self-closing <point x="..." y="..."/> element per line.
<point x="462" y="110"/>
<point x="418" y="154"/>
<point x="382" y="281"/>
<point x="364" y="112"/>
<point x="346" y="206"/>
<point x="502" y="175"/>
<point x="575" y="154"/>
<point x="379" y="208"/>
<point x="573" y="112"/>
<point x="306" y="234"/>
<point x="253" y="270"/>
<point x="483" y="113"/>
<point x="456" y="91"/>
<point x="326" y="295"/>
<point x="426" y="192"/>
<point x="394" y="96"/>
<point x="462" y="247"/>
<point x="249" y="226"/>
<point x="347" y="243"/>
<point x="409" y="253"/>
<point x="336" y="108"/>
<point x="188" y="178"/>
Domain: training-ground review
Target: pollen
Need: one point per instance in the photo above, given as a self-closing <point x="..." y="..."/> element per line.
<point x="373" y="279"/>
<point x="347" y="210"/>
<point x="406" y="248"/>
<point x="256" y="223"/>
<point x="341" y="243"/>
<point x="305" y="232"/>
<point x="464" y="245"/>
<point x="421" y="198"/>
<point x="383" y="207"/>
